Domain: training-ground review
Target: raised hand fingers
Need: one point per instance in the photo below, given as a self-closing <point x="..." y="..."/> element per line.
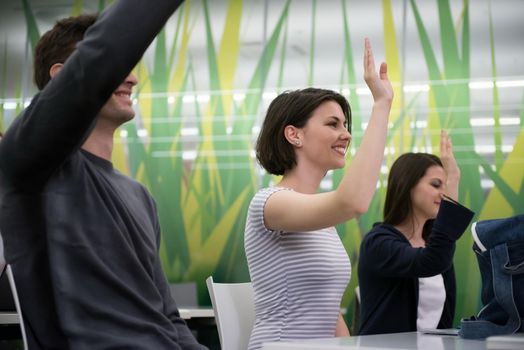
<point x="378" y="83"/>
<point x="383" y="71"/>
<point x="446" y="148"/>
<point x="369" y="59"/>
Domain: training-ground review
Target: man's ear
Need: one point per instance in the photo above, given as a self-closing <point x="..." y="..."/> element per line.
<point x="55" y="68"/>
<point x="293" y="135"/>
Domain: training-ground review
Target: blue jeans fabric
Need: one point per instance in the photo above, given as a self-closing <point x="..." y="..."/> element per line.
<point x="499" y="247"/>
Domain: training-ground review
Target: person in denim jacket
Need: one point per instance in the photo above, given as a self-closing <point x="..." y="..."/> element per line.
<point x="406" y="275"/>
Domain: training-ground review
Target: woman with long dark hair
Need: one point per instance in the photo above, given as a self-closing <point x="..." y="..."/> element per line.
<point x="406" y="275"/>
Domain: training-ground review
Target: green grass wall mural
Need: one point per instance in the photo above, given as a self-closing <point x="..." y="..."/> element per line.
<point x="204" y="87"/>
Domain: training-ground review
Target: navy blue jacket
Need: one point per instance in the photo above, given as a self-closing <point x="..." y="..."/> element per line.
<point x="389" y="268"/>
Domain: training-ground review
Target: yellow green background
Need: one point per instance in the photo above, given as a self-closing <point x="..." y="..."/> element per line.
<point x="204" y="87"/>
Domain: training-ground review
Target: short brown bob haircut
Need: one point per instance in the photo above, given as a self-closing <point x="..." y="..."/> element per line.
<point x="56" y="45"/>
<point x="273" y="151"/>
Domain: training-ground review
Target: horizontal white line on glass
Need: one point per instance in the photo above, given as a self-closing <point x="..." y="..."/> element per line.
<point x="220" y="165"/>
<point x="239" y="97"/>
<point x="189" y="131"/>
<point x="419" y="124"/>
<point x="481" y="85"/>
<point x="196" y="138"/>
<point x="491" y="122"/>
<point x="269" y="95"/>
<point x="202" y="98"/>
<point x="142" y="132"/>
<point x="10" y="105"/>
<point x="427" y="149"/>
<point x="189" y="155"/>
<point x="510" y="83"/>
<point x="416" y="88"/>
<point x="363" y="91"/>
<point x="188" y="99"/>
<point x="490" y="149"/>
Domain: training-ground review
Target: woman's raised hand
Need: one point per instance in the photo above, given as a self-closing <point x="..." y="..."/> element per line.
<point x="450" y="165"/>
<point x="379" y="84"/>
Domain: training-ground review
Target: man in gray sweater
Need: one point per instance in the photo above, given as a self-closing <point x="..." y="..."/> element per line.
<point x="81" y="237"/>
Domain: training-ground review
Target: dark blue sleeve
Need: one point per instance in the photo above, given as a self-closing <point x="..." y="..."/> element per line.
<point x="387" y="254"/>
<point x="59" y="118"/>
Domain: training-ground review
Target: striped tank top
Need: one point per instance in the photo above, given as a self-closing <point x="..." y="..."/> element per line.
<point x="298" y="278"/>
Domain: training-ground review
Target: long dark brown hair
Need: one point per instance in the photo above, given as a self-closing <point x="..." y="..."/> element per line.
<point x="404" y="175"/>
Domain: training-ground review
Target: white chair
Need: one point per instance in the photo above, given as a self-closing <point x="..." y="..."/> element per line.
<point x="234" y="312"/>
<point x="13" y="313"/>
<point x="355" y="324"/>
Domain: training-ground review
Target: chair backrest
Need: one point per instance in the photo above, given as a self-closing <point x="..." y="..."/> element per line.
<point x="234" y="312"/>
<point x="355" y="322"/>
<point x="185" y="294"/>
<point x="10" y="297"/>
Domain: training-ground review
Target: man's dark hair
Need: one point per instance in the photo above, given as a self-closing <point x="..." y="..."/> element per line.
<point x="56" y="45"/>
<point x="294" y="108"/>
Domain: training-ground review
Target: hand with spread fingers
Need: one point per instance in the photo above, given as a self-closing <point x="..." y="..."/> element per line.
<point x="379" y="84"/>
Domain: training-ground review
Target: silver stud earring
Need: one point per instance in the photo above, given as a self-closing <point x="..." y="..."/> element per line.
<point x="297" y="142"/>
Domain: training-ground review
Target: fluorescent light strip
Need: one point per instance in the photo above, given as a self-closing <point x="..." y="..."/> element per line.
<point x="416" y="88"/>
<point x="202" y="98"/>
<point x="363" y="91"/>
<point x="490" y="121"/>
<point x="510" y="83"/>
<point x="419" y="124"/>
<point x="9" y="105"/>
<point x="269" y="95"/>
<point x="239" y="97"/>
<point x="188" y="99"/>
<point x="142" y="132"/>
<point x="490" y="149"/>
<point x="189" y="131"/>
<point x="481" y="85"/>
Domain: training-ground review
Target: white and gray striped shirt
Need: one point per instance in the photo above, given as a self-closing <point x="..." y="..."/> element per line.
<point x="298" y="278"/>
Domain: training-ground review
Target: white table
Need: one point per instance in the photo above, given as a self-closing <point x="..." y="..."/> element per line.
<point x="185" y="313"/>
<point x="196" y="312"/>
<point x="404" y="341"/>
<point x="9" y="318"/>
